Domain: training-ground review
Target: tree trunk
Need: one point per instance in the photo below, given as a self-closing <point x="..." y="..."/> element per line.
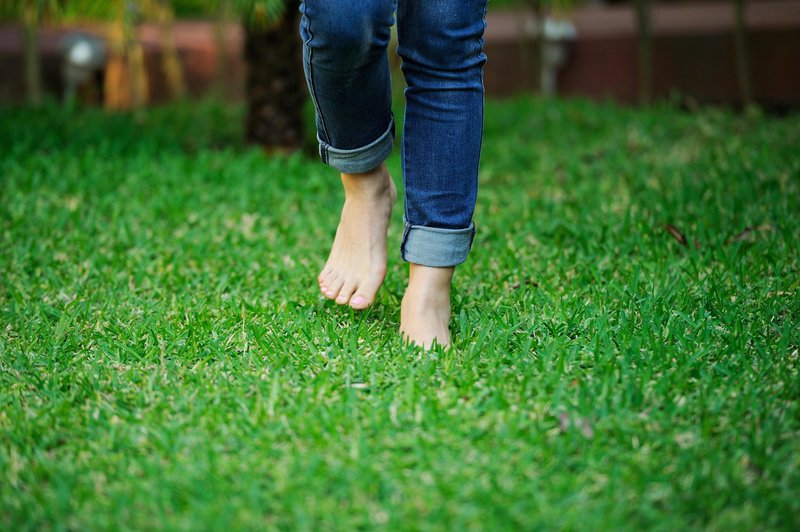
<point x="644" y="23"/>
<point x="221" y="21"/>
<point x="116" y="83"/>
<point x="125" y="85"/>
<point x="276" y="91"/>
<point x="742" y="62"/>
<point x="541" y="43"/>
<point x="33" y="68"/>
<point x="138" y="70"/>
<point x="538" y="9"/>
<point x="170" y="63"/>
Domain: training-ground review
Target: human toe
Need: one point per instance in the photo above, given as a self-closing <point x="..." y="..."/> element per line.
<point x="332" y="290"/>
<point x="365" y="294"/>
<point x="345" y="293"/>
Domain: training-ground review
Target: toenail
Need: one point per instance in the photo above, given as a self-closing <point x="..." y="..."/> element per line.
<point x="359" y="301"/>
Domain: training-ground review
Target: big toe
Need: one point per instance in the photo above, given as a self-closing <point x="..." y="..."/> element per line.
<point x="365" y="294"/>
<point x="359" y="302"/>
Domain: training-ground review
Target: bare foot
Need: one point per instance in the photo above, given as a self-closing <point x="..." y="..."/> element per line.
<point x="356" y="266"/>
<point x="425" y="311"/>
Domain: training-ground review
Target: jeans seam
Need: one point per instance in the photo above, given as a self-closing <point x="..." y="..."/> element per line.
<point x="472" y="236"/>
<point x="404" y="239"/>
<point x="483" y="111"/>
<point x="312" y="89"/>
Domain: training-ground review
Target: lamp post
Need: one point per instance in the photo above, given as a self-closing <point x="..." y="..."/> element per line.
<point x="83" y="58"/>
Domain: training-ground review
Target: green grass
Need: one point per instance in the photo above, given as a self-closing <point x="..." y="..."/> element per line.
<point x="167" y="361"/>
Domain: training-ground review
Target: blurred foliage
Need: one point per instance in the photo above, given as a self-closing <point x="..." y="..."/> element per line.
<point x="556" y="4"/>
<point x="257" y="12"/>
<point x="254" y="12"/>
<point x="24" y="9"/>
<point x="260" y="13"/>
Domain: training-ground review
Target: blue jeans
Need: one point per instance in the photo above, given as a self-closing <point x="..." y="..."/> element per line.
<point x="347" y="70"/>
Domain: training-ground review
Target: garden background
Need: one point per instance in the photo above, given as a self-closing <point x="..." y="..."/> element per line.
<point x="626" y="330"/>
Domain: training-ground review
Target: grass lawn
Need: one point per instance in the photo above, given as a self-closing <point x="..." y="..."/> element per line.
<point x="166" y="359"/>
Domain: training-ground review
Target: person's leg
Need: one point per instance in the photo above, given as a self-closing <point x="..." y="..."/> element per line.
<point x="441" y="44"/>
<point x="347" y="71"/>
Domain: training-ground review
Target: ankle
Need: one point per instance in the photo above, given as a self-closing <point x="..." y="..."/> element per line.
<point x="373" y="184"/>
<point x="429" y="286"/>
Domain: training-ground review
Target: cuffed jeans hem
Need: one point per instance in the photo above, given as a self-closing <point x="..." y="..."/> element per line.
<point x="436" y="247"/>
<point x="361" y="159"/>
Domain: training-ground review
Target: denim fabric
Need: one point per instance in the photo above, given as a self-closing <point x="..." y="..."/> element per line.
<point x="434" y="246"/>
<point x="347" y="70"/>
